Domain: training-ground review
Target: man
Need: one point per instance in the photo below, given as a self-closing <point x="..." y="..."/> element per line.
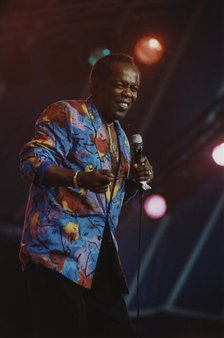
<point x="79" y="165"/>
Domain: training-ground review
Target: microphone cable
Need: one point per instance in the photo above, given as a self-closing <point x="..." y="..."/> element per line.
<point x="139" y="263"/>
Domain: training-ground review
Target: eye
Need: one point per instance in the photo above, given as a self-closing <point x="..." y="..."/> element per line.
<point x="119" y="85"/>
<point x="134" y="89"/>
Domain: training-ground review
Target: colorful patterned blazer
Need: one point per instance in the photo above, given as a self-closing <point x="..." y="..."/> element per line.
<point x="64" y="226"/>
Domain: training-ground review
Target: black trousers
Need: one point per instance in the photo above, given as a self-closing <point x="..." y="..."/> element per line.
<point x="61" y="308"/>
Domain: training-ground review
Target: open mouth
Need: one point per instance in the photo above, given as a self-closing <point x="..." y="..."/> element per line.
<point x="123" y="105"/>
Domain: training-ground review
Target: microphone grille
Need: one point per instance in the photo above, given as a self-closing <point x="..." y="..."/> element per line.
<point x="136" y="138"/>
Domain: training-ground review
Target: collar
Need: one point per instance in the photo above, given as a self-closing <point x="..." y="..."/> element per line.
<point x="95" y="112"/>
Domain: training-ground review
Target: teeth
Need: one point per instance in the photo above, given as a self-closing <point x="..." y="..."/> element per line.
<point x="123" y="105"/>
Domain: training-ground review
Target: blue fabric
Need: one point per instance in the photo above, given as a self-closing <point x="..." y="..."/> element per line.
<point x="64" y="226"/>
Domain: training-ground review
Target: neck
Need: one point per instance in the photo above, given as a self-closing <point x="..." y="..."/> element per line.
<point x="108" y="124"/>
<point x="106" y="119"/>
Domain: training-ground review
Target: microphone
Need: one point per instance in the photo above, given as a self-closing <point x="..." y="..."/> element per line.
<point x="137" y="148"/>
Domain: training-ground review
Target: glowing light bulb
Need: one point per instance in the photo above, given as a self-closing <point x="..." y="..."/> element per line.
<point x="154" y="44"/>
<point x="155" y="206"/>
<point x="148" y="50"/>
<point x="218" y="154"/>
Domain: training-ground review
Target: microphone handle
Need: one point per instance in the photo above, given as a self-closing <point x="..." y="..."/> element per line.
<point x="143" y="184"/>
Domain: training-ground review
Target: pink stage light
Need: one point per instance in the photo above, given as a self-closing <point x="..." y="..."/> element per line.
<point x="155" y="206"/>
<point x="218" y="154"/>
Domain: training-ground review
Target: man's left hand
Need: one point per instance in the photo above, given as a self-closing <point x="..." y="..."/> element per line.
<point x="143" y="170"/>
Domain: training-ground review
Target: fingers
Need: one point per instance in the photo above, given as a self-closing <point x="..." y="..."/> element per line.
<point x="108" y="173"/>
<point x="103" y="180"/>
<point x="101" y="190"/>
<point x="105" y="177"/>
<point x="97" y="181"/>
<point x="143" y="170"/>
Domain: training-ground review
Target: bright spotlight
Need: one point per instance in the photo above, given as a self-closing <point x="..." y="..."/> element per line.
<point x="218" y="154"/>
<point x="155" y="206"/>
<point x="154" y="44"/>
<point x="148" y="49"/>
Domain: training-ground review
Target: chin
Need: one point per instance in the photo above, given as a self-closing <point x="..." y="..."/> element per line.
<point x="120" y="115"/>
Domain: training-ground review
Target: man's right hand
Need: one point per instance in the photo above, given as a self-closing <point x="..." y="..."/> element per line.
<point x="97" y="181"/>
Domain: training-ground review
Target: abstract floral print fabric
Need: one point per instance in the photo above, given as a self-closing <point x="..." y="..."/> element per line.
<point x="64" y="226"/>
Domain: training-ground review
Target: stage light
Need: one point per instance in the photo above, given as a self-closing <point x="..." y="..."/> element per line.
<point x="96" y="54"/>
<point x="155" y="206"/>
<point x="218" y="154"/>
<point x="148" y="49"/>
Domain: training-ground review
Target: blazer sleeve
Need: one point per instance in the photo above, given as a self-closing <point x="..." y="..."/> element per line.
<point x="50" y="145"/>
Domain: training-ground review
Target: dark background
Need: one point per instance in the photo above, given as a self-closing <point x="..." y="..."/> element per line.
<point x="44" y="47"/>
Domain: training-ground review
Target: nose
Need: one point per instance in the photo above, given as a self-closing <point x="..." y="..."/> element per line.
<point x="127" y="92"/>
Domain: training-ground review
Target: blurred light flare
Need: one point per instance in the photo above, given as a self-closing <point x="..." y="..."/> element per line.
<point x="154" y="44"/>
<point x="96" y="54"/>
<point x="155" y="206"/>
<point x="218" y="154"/>
<point x="148" y="49"/>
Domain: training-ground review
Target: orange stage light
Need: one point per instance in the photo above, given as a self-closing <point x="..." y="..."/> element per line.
<point x="148" y="49"/>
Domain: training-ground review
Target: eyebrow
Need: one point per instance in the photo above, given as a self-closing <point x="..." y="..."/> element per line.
<point x="126" y="82"/>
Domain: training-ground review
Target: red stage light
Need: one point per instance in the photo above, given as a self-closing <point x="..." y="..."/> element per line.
<point x="155" y="206"/>
<point x="148" y="49"/>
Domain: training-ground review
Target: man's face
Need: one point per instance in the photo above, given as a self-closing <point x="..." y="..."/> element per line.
<point x="115" y="95"/>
